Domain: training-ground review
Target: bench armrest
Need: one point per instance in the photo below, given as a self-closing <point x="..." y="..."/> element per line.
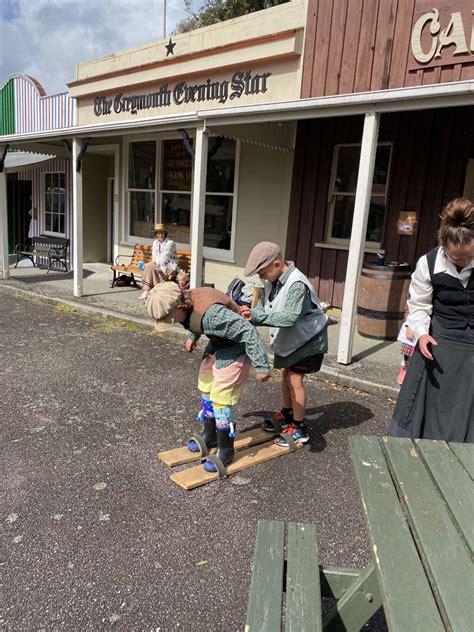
<point x="57" y="251"/>
<point x="123" y="256"/>
<point x="22" y="248"/>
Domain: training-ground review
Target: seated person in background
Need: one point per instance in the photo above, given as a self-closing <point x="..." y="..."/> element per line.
<point x="163" y="265"/>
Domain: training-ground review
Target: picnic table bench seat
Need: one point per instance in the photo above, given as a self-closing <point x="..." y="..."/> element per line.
<point x="44" y="251"/>
<point x="290" y="590"/>
<point x="142" y="254"/>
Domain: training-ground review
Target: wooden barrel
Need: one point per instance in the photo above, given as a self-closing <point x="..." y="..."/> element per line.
<point x="383" y="292"/>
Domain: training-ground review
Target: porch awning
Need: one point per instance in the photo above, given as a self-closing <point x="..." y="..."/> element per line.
<point x="18" y="160"/>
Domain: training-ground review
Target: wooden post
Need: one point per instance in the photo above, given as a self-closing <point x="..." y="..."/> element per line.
<point x="4" y="226"/>
<point x="198" y="206"/>
<point x="77" y="219"/>
<point x="359" y="228"/>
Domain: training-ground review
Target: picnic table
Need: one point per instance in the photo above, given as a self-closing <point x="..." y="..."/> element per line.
<point x="418" y="502"/>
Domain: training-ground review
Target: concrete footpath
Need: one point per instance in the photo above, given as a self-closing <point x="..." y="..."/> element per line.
<point x="375" y="364"/>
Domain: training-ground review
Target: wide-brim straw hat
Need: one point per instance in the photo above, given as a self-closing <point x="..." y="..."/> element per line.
<point x="160" y="228"/>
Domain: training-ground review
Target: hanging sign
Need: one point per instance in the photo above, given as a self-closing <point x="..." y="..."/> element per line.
<point x="241" y="83"/>
<point x="442" y="34"/>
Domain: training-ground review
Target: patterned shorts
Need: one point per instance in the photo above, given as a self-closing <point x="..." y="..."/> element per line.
<point x="224" y="385"/>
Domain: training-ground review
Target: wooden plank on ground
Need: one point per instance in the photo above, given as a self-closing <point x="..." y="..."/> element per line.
<point x="196" y="476"/>
<point x="454" y="483"/>
<point x="407" y="598"/>
<point x="244" y="439"/>
<point x="266" y="588"/>
<point x="465" y="453"/>
<point x="443" y="550"/>
<point x="303" y="591"/>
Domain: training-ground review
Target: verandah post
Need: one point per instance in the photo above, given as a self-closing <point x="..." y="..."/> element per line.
<point x="198" y="206"/>
<point x="77" y="219"/>
<point x="4" y="226"/>
<point x="359" y="229"/>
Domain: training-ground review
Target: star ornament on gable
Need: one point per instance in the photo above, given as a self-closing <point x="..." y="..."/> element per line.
<point x="170" y="47"/>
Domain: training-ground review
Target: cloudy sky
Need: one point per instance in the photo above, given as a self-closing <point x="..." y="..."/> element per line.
<point x="46" y="38"/>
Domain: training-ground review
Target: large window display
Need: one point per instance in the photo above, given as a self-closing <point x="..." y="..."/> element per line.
<point x="167" y="198"/>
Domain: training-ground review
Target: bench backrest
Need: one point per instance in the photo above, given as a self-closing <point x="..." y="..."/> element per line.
<point x="141" y="254"/>
<point x="41" y="245"/>
<point x="184" y="259"/>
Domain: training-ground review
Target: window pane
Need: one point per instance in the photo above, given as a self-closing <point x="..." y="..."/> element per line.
<point x="382" y="163"/>
<point x="347" y="169"/>
<point x="47" y="222"/>
<point x="344" y="212"/>
<point x="176" y="214"/>
<point x="61" y="223"/>
<point x="141" y="166"/>
<point x="47" y="181"/>
<point x="142" y="213"/>
<point x="218" y="221"/>
<point x="220" y="165"/>
<point x="177" y="166"/>
<point x="47" y="203"/>
<point x="55" y="219"/>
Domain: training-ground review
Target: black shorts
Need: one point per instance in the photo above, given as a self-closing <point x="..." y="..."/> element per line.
<point x="311" y="364"/>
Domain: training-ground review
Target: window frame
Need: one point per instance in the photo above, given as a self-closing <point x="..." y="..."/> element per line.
<point x="339" y="242"/>
<point x="44" y="212"/>
<point x="215" y="254"/>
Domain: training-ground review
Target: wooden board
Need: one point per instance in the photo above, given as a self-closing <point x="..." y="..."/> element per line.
<point x="245" y="439"/>
<point x="266" y="587"/>
<point x="196" y="476"/>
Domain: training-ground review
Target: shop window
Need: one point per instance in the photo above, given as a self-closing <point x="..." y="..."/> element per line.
<point x="141" y="189"/>
<point x="220" y="184"/>
<point x="343" y="190"/>
<point x="54" y="204"/>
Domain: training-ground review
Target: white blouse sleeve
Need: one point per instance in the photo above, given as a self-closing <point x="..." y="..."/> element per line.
<point x="420" y="303"/>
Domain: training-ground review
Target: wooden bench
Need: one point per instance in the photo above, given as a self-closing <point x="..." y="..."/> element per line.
<point x="142" y="254"/>
<point x="304" y="581"/>
<point x="44" y="251"/>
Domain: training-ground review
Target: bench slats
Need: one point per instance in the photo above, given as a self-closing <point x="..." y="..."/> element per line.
<point x="266" y="588"/>
<point x="465" y="455"/>
<point x="450" y="567"/>
<point x="303" y="602"/>
<point x="399" y="568"/>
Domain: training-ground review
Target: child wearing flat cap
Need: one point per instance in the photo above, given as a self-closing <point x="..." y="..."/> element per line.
<point x="234" y="344"/>
<point x="298" y="333"/>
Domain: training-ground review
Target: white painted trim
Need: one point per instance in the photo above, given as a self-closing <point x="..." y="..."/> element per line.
<point x="198" y="206"/>
<point x="453" y="94"/>
<point x="359" y="228"/>
<point x="77" y="215"/>
<point x="4" y="226"/>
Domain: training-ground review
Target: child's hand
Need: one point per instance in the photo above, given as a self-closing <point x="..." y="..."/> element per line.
<point x="245" y="312"/>
<point x="262" y="377"/>
<point x="409" y="333"/>
<point x="190" y="346"/>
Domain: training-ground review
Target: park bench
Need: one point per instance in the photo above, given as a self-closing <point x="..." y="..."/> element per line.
<point x="304" y="581"/>
<point x="142" y="254"/>
<point x="44" y="251"/>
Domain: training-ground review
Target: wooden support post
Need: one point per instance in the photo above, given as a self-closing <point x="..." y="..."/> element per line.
<point x="359" y="229"/>
<point x="77" y="230"/>
<point x="198" y="207"/>
<point x="357" y="605"/>
<point x="4" y="226"/>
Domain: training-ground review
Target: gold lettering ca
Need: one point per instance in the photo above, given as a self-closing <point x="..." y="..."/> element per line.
<point x="453" y="34"/>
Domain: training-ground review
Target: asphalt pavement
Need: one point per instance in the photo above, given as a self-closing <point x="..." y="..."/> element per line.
<point x="96" y="536"/>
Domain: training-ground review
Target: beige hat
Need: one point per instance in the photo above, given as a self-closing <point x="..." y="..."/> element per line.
<point x="261" y="256"/>
<point x="160" y="228"/>
<point x="161" y="302"/>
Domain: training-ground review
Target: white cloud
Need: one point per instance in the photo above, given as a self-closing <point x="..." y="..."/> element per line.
<point x="47" y="38"/>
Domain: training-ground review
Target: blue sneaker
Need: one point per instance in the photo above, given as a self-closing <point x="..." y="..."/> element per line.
<point x="298" y="433"/>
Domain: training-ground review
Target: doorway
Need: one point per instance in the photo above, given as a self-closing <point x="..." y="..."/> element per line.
<point x="19" y="206"/>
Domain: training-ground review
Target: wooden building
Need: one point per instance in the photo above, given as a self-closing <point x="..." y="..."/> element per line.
<point x="425" y="156"/>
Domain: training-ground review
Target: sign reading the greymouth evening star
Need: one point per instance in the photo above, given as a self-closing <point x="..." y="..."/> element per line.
<point x="242" y="83"/>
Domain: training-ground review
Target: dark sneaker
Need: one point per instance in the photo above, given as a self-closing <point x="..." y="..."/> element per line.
<point x="298" y="433"/>
<point x="269" y="424"/>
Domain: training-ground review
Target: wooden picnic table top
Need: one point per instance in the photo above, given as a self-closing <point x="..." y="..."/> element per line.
<point x="418" y="501"/>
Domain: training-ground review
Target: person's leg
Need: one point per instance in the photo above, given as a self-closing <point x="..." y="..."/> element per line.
<point x="297" y="428"/>
<point x="206" y="414"/>
<point x="148" y="279"/>
<point x="283" y="418"/>
<point x="225" y="394"/>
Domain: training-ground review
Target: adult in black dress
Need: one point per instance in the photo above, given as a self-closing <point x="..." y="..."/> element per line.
<point x="436" y="400"/>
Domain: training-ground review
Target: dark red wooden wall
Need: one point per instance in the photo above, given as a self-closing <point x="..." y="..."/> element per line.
<point x="430" y="153"/>
<point x="364" y="45"/>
